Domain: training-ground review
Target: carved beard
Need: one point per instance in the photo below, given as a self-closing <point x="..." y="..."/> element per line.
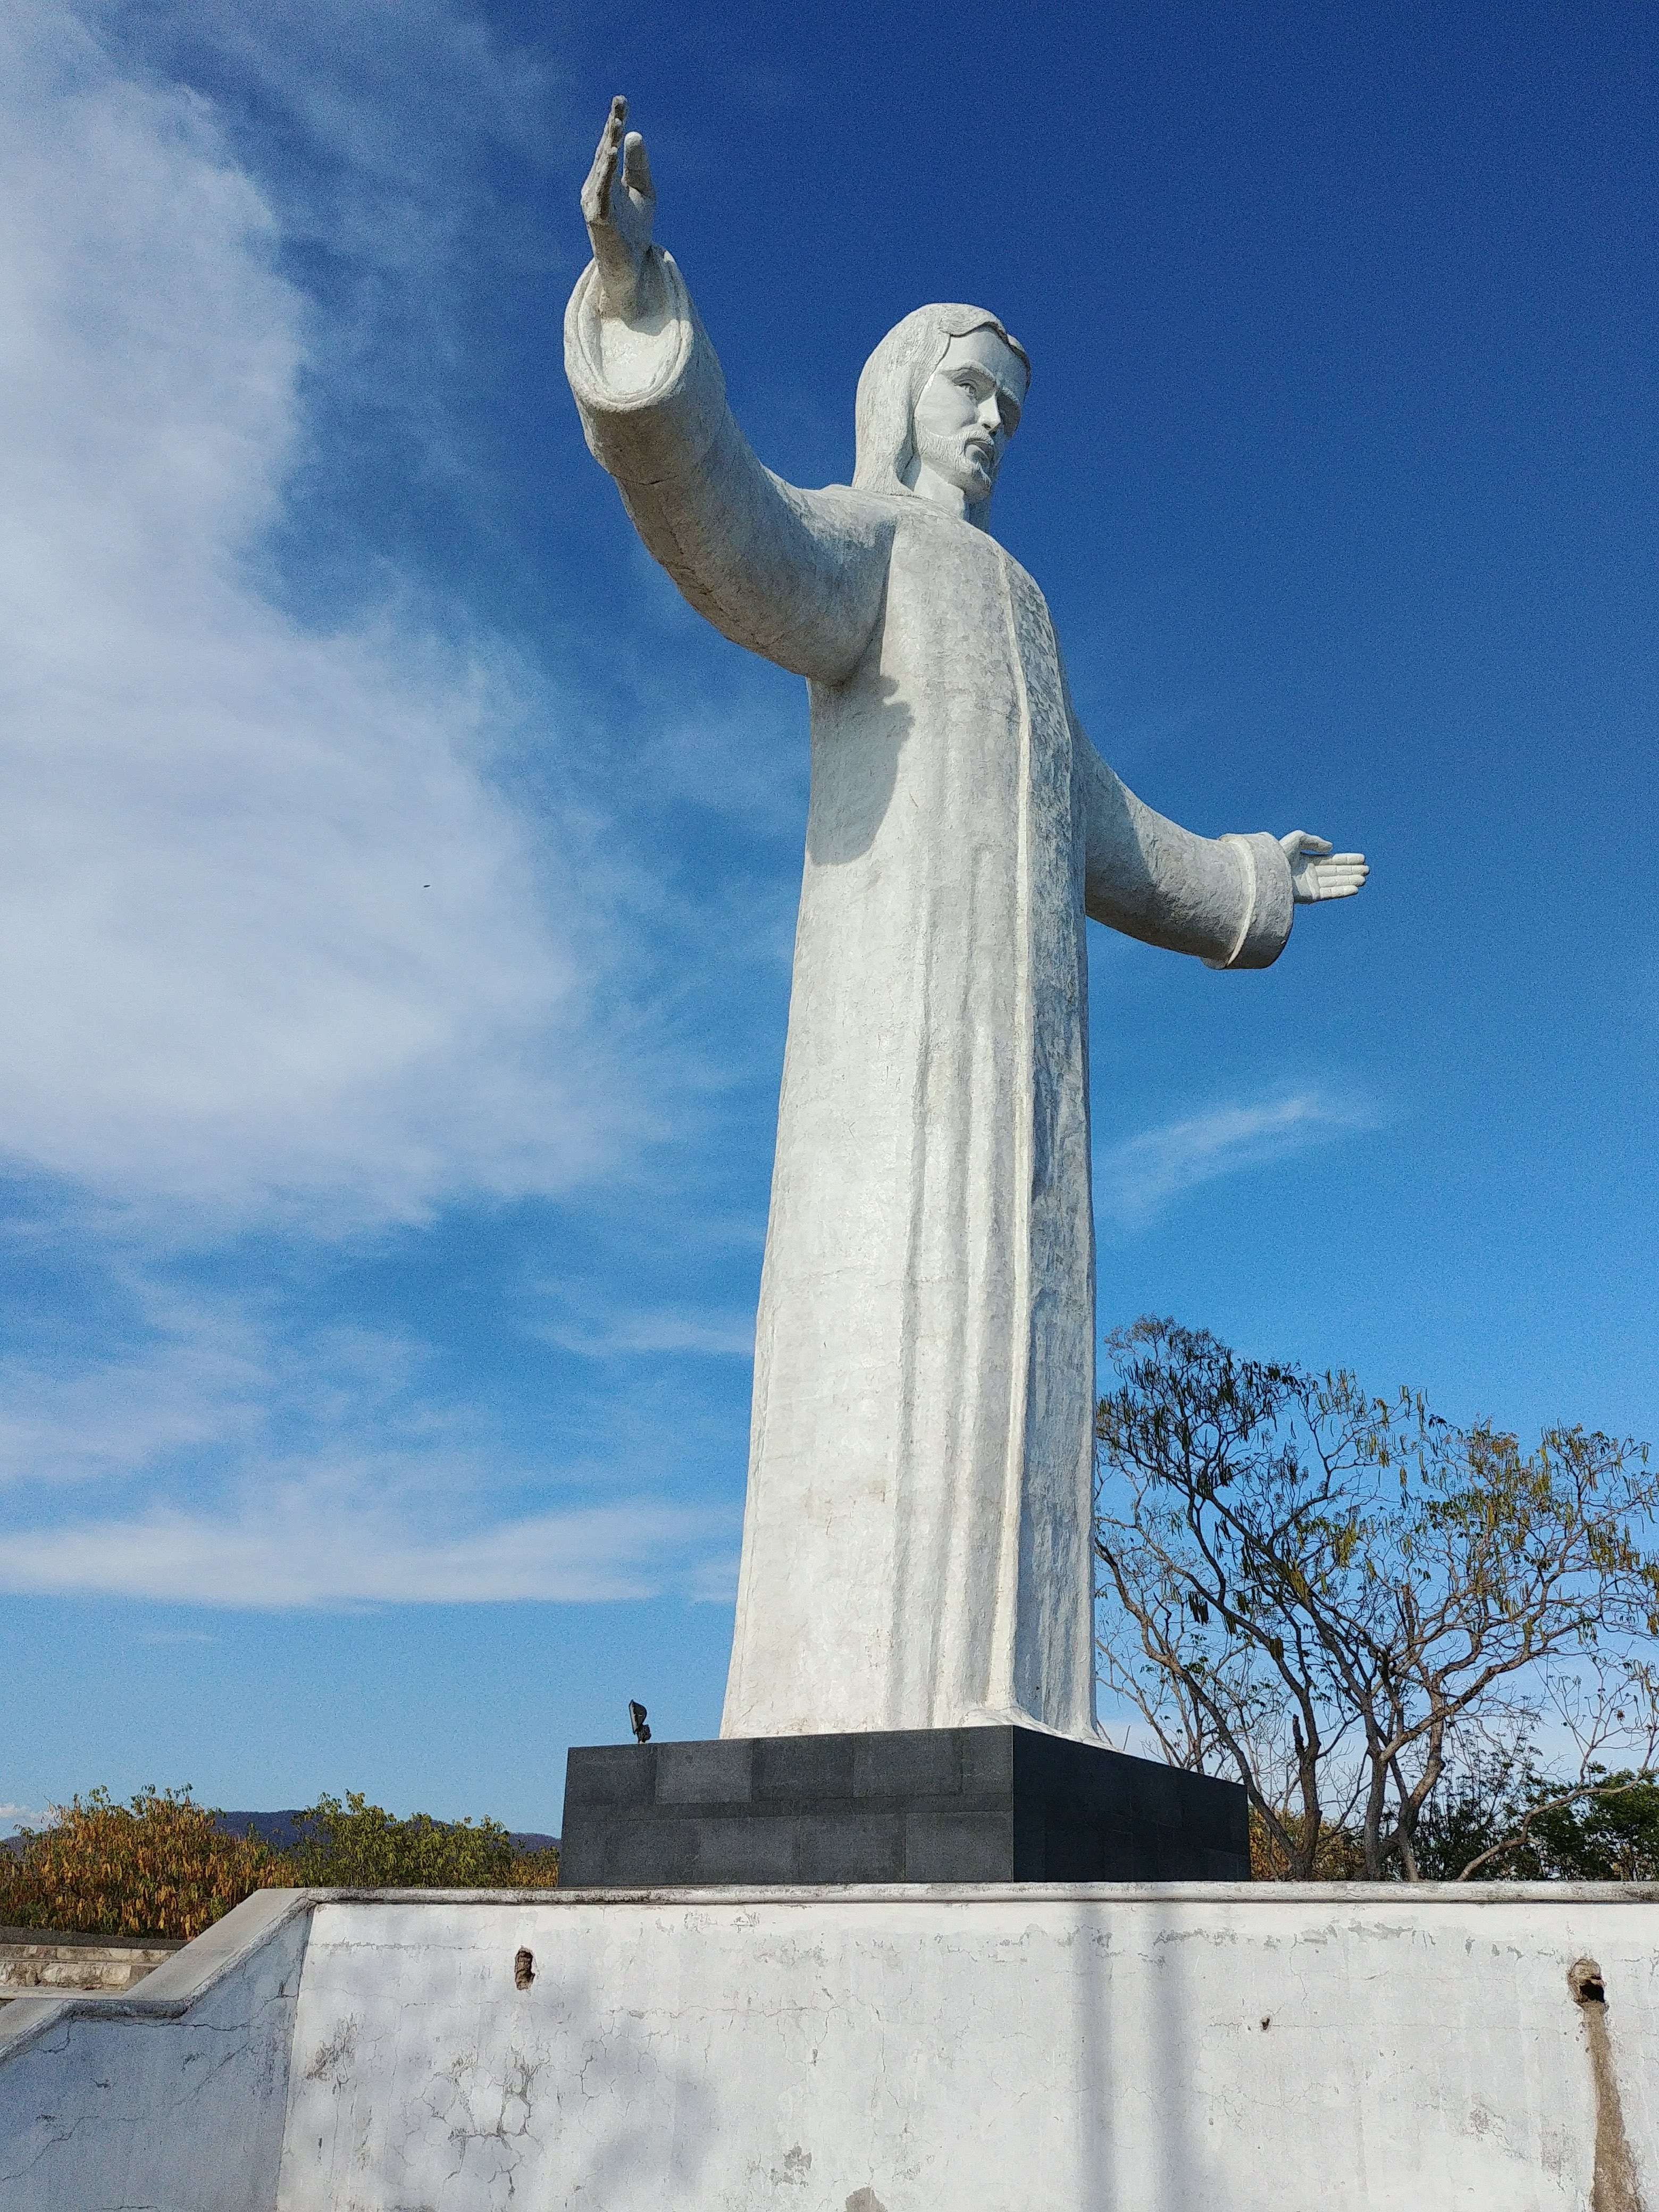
<point x="948" y="457"/>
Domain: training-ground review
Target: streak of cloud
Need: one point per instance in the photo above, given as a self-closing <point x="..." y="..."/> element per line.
<point x="633" y="1335"/>
<point x="222" y="1456"/>
<point x="1135" y="1180"/>
<point x="307" y="1550"/>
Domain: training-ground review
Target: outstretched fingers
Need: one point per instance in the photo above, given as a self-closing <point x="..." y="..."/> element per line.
<point x="1341" y="876"/>
<point x="595" y="192"/>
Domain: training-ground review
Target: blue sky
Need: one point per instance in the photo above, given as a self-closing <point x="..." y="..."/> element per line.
<point x="397" y="881"/>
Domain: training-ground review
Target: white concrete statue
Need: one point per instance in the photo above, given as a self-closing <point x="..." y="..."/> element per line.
<point x="917" y="1547"/>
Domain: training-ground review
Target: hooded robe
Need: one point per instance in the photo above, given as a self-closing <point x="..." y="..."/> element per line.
<point x="917" y="1537"/>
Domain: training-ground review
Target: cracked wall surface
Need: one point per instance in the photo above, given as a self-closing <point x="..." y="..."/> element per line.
<point x="107" y="2105"/>
<point x="852" y="2051"/>
<point x="939" y="2053"/>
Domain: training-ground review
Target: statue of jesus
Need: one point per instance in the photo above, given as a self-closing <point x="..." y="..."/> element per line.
<point x="916" y="1548"/>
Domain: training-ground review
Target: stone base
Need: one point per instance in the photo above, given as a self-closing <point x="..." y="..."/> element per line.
<point x="968" y="1804"/>
<point x="32" y="1960"/>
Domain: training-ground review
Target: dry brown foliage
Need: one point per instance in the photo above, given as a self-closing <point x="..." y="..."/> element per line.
<point x="157" y="1867"/>
<point x="162" y="1866"/>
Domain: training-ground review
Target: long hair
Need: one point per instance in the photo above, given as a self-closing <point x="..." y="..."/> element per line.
<point x="892" y="382"/>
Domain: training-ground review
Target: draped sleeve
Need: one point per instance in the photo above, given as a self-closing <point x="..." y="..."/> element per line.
<point x="1226" y="899"/>
<point x="796" y="576"/>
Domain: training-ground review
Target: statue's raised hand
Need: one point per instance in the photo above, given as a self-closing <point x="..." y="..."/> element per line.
<point x="618" y="201"/>
<point x="1316" y="872"/>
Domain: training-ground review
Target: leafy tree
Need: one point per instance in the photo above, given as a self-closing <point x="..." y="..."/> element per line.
<point x="1331" y="1594"/>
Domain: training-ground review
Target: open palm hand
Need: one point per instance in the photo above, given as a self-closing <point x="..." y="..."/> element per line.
<point x="618" y="202"/>
<point x="1316" y="872"/>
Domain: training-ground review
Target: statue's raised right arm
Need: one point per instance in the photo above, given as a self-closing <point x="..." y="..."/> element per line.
<point x="795" y="576"/>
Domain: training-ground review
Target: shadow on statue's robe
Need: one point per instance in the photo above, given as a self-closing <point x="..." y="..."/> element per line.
<point x="878" y="735"/>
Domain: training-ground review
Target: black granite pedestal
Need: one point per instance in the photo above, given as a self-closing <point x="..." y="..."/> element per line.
<point x="970" y="1804"/>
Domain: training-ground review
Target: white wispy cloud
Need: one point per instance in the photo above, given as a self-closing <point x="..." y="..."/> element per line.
<point x="269" y="936"/>
<point x="231" y="1460"/>
<point x="391" y="102"/>
<point x="405" y="144"/>
<point x="626" y="1333"/>
<point x="299" y="1549"/>
<point x="1134" y="1179"/>
<point x="203" y="1382"/>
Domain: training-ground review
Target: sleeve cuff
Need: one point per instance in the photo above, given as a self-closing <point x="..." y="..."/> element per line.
<point x="668" y="416"/>
<point x="1269" y="902"/>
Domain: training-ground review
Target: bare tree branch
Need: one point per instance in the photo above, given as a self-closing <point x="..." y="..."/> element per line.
<point x="1319" y="1589"/>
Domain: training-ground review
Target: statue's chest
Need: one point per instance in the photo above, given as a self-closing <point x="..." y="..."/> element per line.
<point x="966" y="656"/>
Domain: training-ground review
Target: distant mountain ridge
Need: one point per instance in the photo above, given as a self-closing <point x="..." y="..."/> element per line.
<point x="282" y="1830"/>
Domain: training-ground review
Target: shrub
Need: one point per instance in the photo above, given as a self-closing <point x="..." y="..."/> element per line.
<point x="357" y="1845"/>
<point x="534" y="1870"/>
<point x="1506" y="1826"/>
<point x="158" y="1867"/>
<point x="1337" y="1857"/>
<point x="163" y="1866"/>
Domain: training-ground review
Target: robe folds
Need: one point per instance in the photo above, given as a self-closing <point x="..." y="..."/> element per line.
<point x="917" y="1538"/>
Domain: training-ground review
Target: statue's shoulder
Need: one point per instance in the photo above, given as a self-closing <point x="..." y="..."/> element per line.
<point x="852" y="519"/>
<point x="895" y="509"/>
<point x="873" y="509"/>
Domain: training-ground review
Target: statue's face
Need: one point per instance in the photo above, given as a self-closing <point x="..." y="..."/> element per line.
<point x="968" y="411"/>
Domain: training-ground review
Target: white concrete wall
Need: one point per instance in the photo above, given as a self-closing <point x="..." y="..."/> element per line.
<point x="949" y="2051"/>
<point x="916" y="2050"/>
<point x="168" y="2099"/>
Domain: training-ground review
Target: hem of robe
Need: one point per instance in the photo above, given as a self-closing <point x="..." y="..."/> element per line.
<point x="973" y="1717"/>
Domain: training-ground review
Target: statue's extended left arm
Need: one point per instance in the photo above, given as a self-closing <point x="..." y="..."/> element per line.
<point x="1229" y="900"/>
<point x="794" y="575"/>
